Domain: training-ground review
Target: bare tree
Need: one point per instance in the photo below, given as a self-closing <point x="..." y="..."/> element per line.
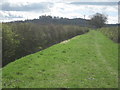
<point x="98" y="20"/>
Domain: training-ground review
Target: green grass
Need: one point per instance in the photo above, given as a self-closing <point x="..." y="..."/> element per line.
<point x="85" y="61"/>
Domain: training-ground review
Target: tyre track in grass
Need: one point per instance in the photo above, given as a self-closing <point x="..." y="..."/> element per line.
<point x="102" y="58"/>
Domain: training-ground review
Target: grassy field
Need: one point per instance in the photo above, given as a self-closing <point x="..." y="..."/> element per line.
<point x="85" y="61"/>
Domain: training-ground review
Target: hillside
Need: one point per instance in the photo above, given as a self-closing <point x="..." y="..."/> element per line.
<point x="85" y="61"/>
<point x="46" y="20"/>
<point x="22" y="39"/>
<point x="56" y="21"/>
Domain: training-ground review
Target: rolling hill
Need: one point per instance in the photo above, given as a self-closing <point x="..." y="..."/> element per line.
<point x="85" y="61"/>
<point x="46" y="20"/>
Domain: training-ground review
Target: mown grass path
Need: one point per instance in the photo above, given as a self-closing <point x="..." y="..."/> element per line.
<point x="85" y="61"/>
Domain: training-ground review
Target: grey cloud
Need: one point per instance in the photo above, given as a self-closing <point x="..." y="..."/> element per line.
<point x="13" y="16"/>
<point x="94" y="3"/>
<point x="43" y="6"/>
<point x="9" y="15"/>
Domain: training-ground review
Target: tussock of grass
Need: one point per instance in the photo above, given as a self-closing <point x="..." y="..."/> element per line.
<point x="86" y="61"/>
<point x="111" y="32"/>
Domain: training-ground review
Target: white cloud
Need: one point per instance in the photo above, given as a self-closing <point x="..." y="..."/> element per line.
<point x="57" y="1"/>
<point x="67" y="1"/>
<point x="30" y="1"/>
<point x="62" y="8"/>
<point x="112" y="19"/>
<point x="72" y="11"/>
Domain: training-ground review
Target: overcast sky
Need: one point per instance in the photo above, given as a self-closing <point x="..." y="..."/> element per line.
<point x="29" y="9"/>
